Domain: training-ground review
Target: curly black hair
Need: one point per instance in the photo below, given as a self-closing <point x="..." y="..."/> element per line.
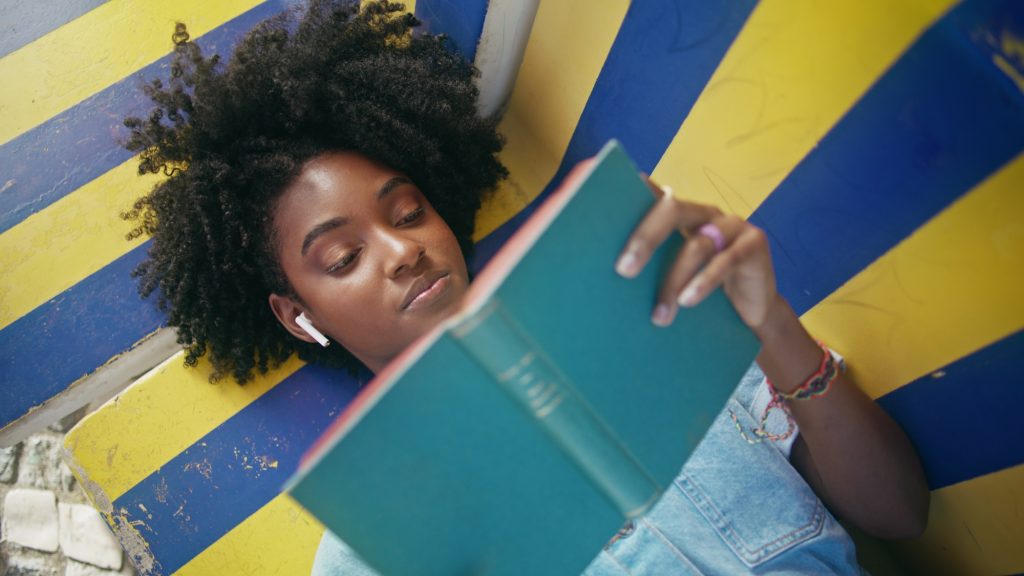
<point x="334" y="76"/>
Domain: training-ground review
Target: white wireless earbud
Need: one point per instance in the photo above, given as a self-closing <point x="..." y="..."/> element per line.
<point x="307" y="327"/>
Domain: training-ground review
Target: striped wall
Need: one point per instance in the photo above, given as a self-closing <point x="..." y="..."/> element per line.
<point x="66" y="291"/>
<point x="879" y="143"/>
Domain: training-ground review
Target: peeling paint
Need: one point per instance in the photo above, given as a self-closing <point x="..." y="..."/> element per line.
<point x="134" y="544"/>
<point x="161" y="491"/>
<point x="203" y="467"/>
<point x="1009" y="70"/>
<point x="1007" y="53"/>
<point x="266" y="462"/>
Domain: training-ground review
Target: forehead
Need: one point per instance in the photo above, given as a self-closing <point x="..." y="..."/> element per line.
<point x="328" y="185"/>
<point x="338" y="174"/>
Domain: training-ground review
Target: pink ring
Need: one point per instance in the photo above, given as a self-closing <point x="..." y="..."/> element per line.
<point x="715" y="234"/>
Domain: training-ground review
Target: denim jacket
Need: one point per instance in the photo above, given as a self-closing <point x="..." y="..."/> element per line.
<point x="737" y="507"/>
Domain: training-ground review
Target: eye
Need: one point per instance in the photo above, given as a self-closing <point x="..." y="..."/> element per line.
<point x="411" y="216"/>
<point x="345" y="261"/>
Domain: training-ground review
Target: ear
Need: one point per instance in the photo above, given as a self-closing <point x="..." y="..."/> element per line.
<point x="286" y="309"/>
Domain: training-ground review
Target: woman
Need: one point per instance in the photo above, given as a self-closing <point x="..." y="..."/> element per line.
<point x="323" y="187"/>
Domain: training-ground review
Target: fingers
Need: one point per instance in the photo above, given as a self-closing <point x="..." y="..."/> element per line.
<point x="669" y="214"/>
<point x="687" y="277"/>
<point x="721" y="250"/>
<point x="748" y="243"/>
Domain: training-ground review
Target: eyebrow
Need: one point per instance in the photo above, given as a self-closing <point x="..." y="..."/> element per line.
<point x="328" y="225"/>
<point x="321" y="229"/>
<point x="391" y="185"/>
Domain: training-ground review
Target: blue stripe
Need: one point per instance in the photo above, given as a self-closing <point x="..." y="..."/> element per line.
<point x="66" y="338"/>
<point x="55" y="158"/>
<point x="462" y="21"/>
<point x="233" y="471"/>
<point x="942" y="119"/>
<point x="28" y="20"/>
<point x="662" y="57"/>
<point x="966" y="423"/>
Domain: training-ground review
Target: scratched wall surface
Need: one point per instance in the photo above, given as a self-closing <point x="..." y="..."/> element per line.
<point x="879" y="144"/>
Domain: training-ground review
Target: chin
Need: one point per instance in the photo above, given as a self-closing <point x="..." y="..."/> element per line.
<point x="453" y="300"/>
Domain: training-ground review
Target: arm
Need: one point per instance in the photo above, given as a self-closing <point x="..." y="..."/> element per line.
<point x="852" y="454"/>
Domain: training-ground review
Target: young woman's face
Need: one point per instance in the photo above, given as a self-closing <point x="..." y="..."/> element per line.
<point x="374" y="265"/>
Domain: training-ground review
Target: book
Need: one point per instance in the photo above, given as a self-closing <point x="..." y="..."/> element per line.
<point x="522" y="433"/>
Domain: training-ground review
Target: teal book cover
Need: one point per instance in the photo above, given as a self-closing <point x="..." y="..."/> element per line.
<point x="521" y="434"/>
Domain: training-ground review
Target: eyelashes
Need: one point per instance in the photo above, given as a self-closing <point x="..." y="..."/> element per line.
<point x="347" y="259"/>
<point x="411" y="216"/>
<point x="350" y="256"/>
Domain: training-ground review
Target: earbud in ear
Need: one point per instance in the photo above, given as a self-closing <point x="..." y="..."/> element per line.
<point x="308" y="328"/>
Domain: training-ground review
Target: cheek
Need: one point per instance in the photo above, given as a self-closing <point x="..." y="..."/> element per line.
<point x="450" y="246"/>
<point x="352" y="307"/>
<point x="356" y="312"/>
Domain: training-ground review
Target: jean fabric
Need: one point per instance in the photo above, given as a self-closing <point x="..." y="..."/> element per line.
<point x="737" y="507"/>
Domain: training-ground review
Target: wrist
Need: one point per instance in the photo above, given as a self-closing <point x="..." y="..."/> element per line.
<point x="788" y="353"/>
<point x="779" y="319"/>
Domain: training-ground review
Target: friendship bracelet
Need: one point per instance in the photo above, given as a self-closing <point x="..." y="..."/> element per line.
<point x="818" y="384"/>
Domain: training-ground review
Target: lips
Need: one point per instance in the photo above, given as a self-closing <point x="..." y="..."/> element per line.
<point x="422" y="285"/>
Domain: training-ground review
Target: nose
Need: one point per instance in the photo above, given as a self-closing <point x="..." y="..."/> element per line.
<point x="403" y="254"/>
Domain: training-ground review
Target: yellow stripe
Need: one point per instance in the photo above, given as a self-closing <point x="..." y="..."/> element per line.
<point x="279" y="538"/>
<point x="949" y="289"/>
<point x="794" y="70"/>
<point x="94" y="51"/>
<point x="564" y="56"/>
<point x="410" y="5"/>
<point x="157" y="418"/>
<point x="974" y="528"/>
<point x="56" y="248"/>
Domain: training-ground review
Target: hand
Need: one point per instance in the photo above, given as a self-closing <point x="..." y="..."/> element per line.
<point x="743" y="265"/>
<point x="854" y="456"/>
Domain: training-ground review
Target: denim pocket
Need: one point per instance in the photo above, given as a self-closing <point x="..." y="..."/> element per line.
<point x="748" y="492"/>
<point x="643" y="550"/>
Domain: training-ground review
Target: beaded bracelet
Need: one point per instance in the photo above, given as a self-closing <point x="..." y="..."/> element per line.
<point x="818" y="384"/>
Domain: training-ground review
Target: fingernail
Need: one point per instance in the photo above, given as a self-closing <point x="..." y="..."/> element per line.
<point x="661" y="315"/>
<point x="689" y="295"/>
<point x="627" y="264"/>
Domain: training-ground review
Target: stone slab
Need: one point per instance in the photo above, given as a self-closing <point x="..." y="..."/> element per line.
<point x="85" y="537"/>
<point x="30" y="519"/>
<point x="9" y="463"/>
<point x="24" y="565"/>
<point x="75" y="568"/>
<point x="37" y="465"/>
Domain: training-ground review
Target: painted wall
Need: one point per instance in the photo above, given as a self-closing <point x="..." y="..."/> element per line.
<point x="879" y="143"/>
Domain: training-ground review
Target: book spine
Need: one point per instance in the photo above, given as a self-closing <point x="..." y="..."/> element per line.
<point x="504" y="349"/>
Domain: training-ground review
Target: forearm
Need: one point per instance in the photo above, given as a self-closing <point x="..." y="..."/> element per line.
<point x="860" y="461"/>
